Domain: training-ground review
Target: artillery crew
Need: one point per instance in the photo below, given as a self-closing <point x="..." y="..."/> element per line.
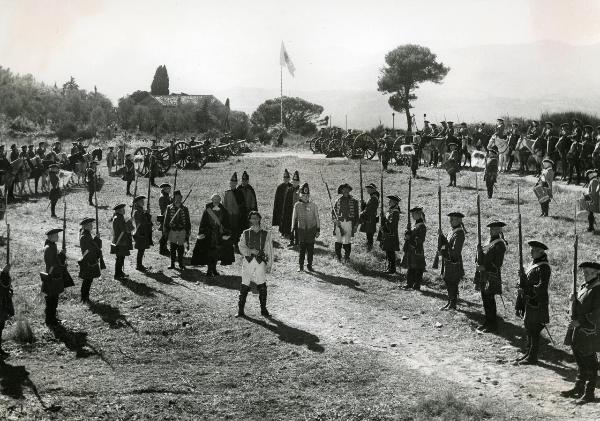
<point x="532" y="300"/>
<point x="368" y="215"/>
<point x="214" y="243"/>
<point x="163" y="202"/>
<point x="176" y="229"/>
<point x="279" y="198"/>
<point x="306" y="224"/>
<point x="584" y="334"/>
<point x="122" y="240"/>
<point x="89" y="265"/>
<point x="451" y="252"/>
<point x="388" y="233"/>
<point x="256" y="248"/>
<point x="345" y="214"/>
<point x="415" y="253"/>
<point x="142" y="235"/>
<point x="489" y="271"/>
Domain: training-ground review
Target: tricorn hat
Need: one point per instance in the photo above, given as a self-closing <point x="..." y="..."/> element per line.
<point x="589" y="265"/>
<point x="537" y="244"/>
<point x="177" y="193"/>
<point x="591" y="171"/>
<point x="305" y="189"/>
<point x="548" y="160"/>
<point x="140" y="197"/>
<point x="394" y="197"/>
<point x="456" y="214"/>
<point x="344" y="186"/>
<point x="53" y="231"/>
<point x="86" y="221"/>
<point x="496" y="224"/>
<point x="371" y="186"/>
<point x="119" y="206"/>
<point x="416" y="209"/>
<point x="165" y="185"/>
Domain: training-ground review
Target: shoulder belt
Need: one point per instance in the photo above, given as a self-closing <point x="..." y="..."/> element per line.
<point x="493" y="243"/>
<point x="531" y="267"/>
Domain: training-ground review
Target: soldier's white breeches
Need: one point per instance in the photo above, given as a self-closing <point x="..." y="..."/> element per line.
<point x="253" y="271"/>
<point x="347" y="237"/>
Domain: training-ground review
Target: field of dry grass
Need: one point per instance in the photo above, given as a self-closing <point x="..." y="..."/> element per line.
<point x="344" y="343"/>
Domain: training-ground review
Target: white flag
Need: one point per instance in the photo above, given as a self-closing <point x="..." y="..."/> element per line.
<point x="285" y="60"/>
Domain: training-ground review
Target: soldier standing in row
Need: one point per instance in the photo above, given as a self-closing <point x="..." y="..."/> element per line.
<point x="89" y="265"/>
<point x="490" y="275"/>
<point x="490" y="174"/>
<point x="234" y="202"/>
<point x="545" y="180"/>
<point x="122" y="241"/>
<point x="306" y="224"/>
<point x="563" y="146"/>
<point x="249" y="198"/>
<point x="368" y="216"/>
<point x="388" y="233"/>
<point x="513" y="140"/>
<point x="292" y="195"/>
<point x="451" y="253"/>
<point x="53" y="281"/>
<point x="453" y="164"/>
<point x="279" y="198"/>
<point x="256" y="248"/>
<point x="142" y="235"/>
<point x="91" y="180"/>
<point x="54" y="194"/>
<point x="129" y="175"/>
<point x="177" y="228"/>
<point x="585" y="338"/>
<point x="593" y="197"/>
<point x="346" y="214"/>
<point x="163" y="202"/>
<point x="415" y="254"/>
<point x="532" y="300"/>
<point x="573" y="158"/>
<point x="587" y="149"/>
<point x="7" y="309"/>
<point x="464" y="137"/>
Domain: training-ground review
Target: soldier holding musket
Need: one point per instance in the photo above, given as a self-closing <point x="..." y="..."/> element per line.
<point x="488" y="278"/>
<point x="532" y="300"/>
<point x="91" y="181"/>
<point x="54" y="194"/>
<point x="89" y="265"/>
<point x="177" y="228"/>
<point x="587" y="149"/>
<point x="451" y="252"/>
<point x="513" y="140"/>
<point x="163" y="202"/>
<point x="584" y="334"/>
<point x="307" y="225"/>
<point x="368" y="215"/>
<point x="592" y="197"/>
<point x="53" y="280"/>
<point x="143" y="231"/>
<point x="545" y="180"/>
<point x="129" y="175"/>
<point x="414" y="252"/>
<point x="122" y="241"/>
<point x="7" y="309"/>
<point x="490" y="174"/>
<point x="388" y="232"/>
<point x="596" y="151"/>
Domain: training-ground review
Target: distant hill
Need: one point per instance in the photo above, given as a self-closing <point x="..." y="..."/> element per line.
<point x="485" y="82"/>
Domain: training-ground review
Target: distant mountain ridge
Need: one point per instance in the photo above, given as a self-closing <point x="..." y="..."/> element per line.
<point x="484" y="83"/>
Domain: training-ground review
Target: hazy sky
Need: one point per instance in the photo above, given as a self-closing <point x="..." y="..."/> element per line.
<point x="213" y="45"/>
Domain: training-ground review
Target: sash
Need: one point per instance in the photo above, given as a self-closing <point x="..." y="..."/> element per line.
<point x="489" y="246"/>
<point x="588" y="287"/>
<point x="534" y="266"/>
<point x="215" y="218"/>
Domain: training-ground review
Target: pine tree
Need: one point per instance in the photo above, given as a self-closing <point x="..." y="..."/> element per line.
<point x="160" y="83"/>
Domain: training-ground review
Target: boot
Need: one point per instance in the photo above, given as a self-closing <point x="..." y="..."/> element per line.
<point x="452" y="305"/>
<point x="85" y="290"/>
<point x="588" y="395"/>
<point x="446" y="306"/>
<point x="338" y="251"/>
<point x="347" y="250"/>
<point x="262" y="297"/>
<point x="242" y="300"/>
<point x="591" y="221"/>
<point x="577" y="390"/>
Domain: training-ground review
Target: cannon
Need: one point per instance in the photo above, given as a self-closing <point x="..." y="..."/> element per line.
<point x="161" y="156"/>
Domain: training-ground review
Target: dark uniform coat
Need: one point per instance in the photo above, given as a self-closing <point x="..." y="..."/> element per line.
<point x="129" y="174"/>
<point x="89" y="265"/>
<point x="143" y="228"/>
<point x="451" y="252"/>
<point x="368" y="217"/>
<point x="55" y="269"/>
<point x="586" y="337"/>
<point x="213" y="246"/>
<point x="163" y="201"/>
<point x="90" y="179"/>
<point x="292" y="195"/>
<point x="54" y="194"/>
<point x="7" y="310"/>
<point x="278" y="203"/>
<point x="493" y="258"/>
<point x="250" y="202"/>
<point x="177" y="221"/>
<point x="122" y="241"/>
<point x="415" y="257"/>
<point x="534" y="300"/>
<point x="388" y="232"/>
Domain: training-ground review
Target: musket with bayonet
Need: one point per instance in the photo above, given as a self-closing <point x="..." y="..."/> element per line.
<point x="97" y="238"/>
<point x="147" y="215"/>
<point x="360" y="177"/>
<point x="62" y="256"/>
<point x="478" y="278"/>
<point x="175" y="180"/>
<point x="521" y="303"/>
<point x="405" y="247"/>
<point x="440" y="243"/>
<point x="135" y="189"/>
<point x="571" y="330"/>
<point x="334" y="216"/>
<point x="5" y="279"/>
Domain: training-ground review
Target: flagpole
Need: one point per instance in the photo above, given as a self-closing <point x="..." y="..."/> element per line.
<point x="281" y="92"/>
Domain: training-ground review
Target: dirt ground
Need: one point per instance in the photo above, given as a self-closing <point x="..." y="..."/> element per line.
<point x="344" y="343"/>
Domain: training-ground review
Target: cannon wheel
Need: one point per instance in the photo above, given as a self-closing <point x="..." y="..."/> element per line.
<point x="312" y="144"/>
<point x="200" y="158"/>
<point x="141" y="159"/>
<point x="182" y="155"/>
<point x="366" y="145"/>
<point x="164" y="161"/>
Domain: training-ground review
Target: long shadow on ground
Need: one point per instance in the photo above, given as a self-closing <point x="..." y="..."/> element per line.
<point x="290" y="334"/>
<point x="515" y="335"/>
<point x="110" y="315"/>
<point x="337" y="280"/>
<point x="221" y="281"/>
<point x="13" y="379"/>
<point x="138" y="287"/>
<point x="77" y="342"/>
